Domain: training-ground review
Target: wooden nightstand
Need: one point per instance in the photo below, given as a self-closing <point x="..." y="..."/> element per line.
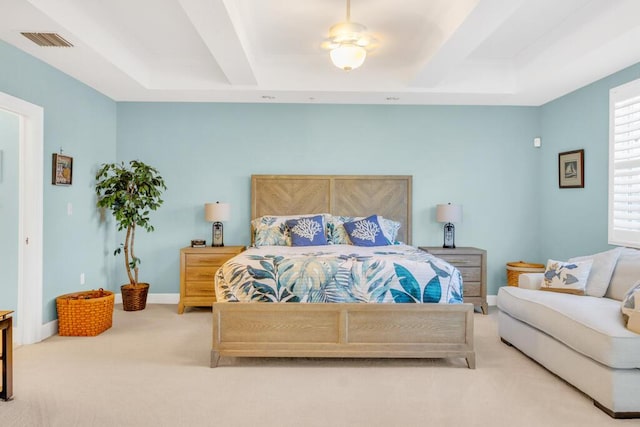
<point x="472" y="263"/>
<point x="198" y="267"/>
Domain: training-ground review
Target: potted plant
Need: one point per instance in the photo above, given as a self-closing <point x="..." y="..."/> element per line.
<point x="131" y="192"/>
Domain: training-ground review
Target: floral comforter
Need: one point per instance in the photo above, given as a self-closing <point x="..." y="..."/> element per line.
<point x="338" y="273"/>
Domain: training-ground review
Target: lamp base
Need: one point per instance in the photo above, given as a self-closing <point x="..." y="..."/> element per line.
<point x="449" y="236"/>
<point x="217" y="239"/>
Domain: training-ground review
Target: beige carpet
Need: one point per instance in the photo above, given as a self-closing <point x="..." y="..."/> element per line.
<point x="152" y="369"/>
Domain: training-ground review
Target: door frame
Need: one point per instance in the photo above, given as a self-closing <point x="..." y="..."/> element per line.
<point x="30" y="217"/>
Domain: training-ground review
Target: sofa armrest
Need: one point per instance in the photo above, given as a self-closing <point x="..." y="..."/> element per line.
<point x="530" y="280"/>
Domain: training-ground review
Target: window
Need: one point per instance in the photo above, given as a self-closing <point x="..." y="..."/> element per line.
<point x="624" y="165"/>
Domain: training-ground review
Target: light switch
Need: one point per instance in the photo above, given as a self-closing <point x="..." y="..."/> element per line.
<point x="69" y="209"/>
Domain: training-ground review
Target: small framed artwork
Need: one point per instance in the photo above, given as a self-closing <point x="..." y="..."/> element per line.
<point x="62" y="170"/>
<point x="571" y="169"/>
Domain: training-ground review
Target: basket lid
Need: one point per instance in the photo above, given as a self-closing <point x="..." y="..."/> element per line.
<point x="522" y="264"/>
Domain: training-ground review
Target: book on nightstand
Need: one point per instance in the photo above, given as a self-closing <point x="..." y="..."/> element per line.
<point x="198" y="244"/>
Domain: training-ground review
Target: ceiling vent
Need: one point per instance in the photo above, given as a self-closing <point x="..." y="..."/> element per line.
<point x="47" y="39"/>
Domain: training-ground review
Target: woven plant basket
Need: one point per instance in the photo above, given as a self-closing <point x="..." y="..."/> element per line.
<point x="134" y="297"/>
<point x="516" y="268"/>
<point x="85" y="314"/>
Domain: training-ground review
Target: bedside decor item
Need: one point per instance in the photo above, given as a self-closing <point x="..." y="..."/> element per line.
<point x="197" y="243"/>
<point x="449" y="214"/>
<point x="85" y="314"/>
<point x="348" y="44"/>
<point x="571" y="169"/>
<point x="61" y="169"/>
<point x="130" y="192"/>
<point x="216" y="213"/>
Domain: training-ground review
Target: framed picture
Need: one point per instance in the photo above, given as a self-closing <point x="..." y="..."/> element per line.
<point x="571" y="169"/>
<point x="61" y="170"/>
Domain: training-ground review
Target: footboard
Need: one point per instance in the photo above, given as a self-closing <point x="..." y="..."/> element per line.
<point x="343" y="330"/>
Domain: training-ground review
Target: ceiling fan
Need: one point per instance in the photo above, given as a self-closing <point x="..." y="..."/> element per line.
<point x="348" y="43"/>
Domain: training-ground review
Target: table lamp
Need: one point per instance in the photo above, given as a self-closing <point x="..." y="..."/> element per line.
<point x="216" y="213"/>
<point x="449" y="214"/>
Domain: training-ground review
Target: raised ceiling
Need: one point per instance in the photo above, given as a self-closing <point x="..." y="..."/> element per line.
<point x="491" y="52"/>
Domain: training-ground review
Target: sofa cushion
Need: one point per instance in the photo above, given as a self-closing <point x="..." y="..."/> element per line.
<point x="603" y="265"/>
<point x="591" y="326"/>
<point x="626" y="273"/>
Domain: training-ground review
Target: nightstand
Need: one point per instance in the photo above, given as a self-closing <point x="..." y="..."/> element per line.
<point x="472" y="263"/>
<point x="198" y="267"/>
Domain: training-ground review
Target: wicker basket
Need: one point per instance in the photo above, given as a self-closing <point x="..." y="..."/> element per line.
<point x="516" y="268"/>
<point x="134" y="297"/>
<point x="85" y="314"/>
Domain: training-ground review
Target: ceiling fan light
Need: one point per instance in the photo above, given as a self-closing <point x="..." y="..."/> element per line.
<point x="348" y="56"/>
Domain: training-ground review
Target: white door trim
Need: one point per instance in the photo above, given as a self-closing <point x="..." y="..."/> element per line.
<point x="30" y="217"/>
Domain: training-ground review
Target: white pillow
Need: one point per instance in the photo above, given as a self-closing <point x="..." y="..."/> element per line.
<point x="601" y="271"/>
<point x="566" y="277"/>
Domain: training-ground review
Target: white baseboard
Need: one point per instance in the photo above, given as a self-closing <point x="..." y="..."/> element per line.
<point x="155" y="298"/>
<point x="49" y="329"/>
<point x="492" y="299"/>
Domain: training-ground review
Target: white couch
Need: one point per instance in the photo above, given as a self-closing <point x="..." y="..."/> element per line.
<point x="582" y="339"/>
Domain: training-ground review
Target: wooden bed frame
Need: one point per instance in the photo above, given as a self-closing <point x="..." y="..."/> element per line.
<point x="340" y="330"/>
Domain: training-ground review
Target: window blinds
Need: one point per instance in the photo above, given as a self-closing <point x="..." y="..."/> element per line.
<point x="624" y="165"/>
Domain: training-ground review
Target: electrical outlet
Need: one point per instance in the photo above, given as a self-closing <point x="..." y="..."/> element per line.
<point x="82" y="278"/>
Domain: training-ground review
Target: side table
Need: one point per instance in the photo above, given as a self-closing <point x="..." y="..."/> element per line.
<point x="6" y="325"/>
<point x="198" y="267"/>
<point x="472" y="263"/>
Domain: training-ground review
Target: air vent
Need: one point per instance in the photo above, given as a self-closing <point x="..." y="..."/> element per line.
<point x="47" y="39"/>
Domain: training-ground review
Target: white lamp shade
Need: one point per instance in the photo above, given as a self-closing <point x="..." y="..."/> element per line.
<point x="449" y="213"/>
<point x="217" y="212"/>
<point x="348" y="56"/>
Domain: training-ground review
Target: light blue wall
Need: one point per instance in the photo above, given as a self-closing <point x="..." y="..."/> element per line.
<point x="9" y="134"/>
<point x="480" y="157"/>
<point x="574" y="221"/>
<point x="82" y="122"/>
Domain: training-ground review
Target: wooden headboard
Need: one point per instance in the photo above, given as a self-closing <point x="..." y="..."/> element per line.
<point x="352" y="195"/>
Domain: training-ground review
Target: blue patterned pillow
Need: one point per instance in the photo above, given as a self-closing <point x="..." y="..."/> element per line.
<point x="307" y="231"/>
<point x="338" y="235"/>
<point x="366" y="232"/>
<point x="567" y="277"/>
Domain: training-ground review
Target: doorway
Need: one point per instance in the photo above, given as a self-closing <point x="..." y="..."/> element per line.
<point x="29" y="217"/>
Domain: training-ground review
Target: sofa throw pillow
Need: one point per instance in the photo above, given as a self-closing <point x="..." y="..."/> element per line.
<point x="601" y="271"/>
<point x="631" y="308"/>
<point x="566" y="277"/>
<point x="307" y="231"/>
<point x="366" y="232"/>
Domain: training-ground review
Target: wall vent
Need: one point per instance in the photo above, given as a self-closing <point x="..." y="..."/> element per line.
<point x="47" y="39"/>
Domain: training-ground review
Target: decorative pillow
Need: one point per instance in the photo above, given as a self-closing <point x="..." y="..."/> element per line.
<point x="337" y="235"/>
<point x="631" y="308"/>
<point x="567" y="277"/>
<point x="272" y="230"/>
<point x="601" y="271"/>
<point x="307" y="231"/>
<point x="366" y="232"/>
